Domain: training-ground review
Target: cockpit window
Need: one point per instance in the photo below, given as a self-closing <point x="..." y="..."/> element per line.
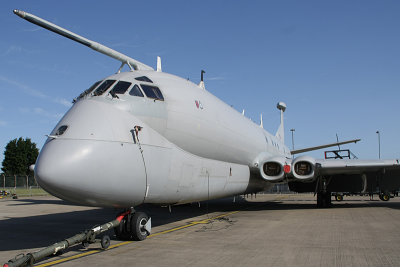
<point x="61" y="130"/>
<point x="143" y="79"/>
<point x="120" y="88"/>
<point x="103" y="87"/>
<point x="88" y="91"/>
<point x="152" y="92"/>
<point x="135" y="91"/>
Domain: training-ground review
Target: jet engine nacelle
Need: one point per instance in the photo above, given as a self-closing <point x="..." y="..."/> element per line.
<point x="273" y="169"/>
<point x="303" y="168"/>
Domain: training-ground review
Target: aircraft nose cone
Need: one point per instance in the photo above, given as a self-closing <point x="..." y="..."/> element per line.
<point x="92" y="172"/>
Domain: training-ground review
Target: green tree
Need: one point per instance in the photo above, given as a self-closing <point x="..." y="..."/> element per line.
<point x="18" y="156"/>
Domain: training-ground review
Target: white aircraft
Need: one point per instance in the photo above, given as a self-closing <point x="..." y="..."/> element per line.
<point x="145" y="136"/>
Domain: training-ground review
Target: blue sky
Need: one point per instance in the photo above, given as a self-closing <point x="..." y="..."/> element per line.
<point x="336" y="64"/>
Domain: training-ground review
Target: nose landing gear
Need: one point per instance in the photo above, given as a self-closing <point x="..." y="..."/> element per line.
<point x="134" y="226"/>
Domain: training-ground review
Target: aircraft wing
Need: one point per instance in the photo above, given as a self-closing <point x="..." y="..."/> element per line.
<point x="308" y="169"/>
<point x="354" y="166"/>
<point x="297" y="151"/>
<point x="344" y="175"/>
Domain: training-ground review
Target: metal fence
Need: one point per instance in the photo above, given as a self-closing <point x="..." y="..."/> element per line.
<point x="279" y="188"/>
<point x="17" y="181"/>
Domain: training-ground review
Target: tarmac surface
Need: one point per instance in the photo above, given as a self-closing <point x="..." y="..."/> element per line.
<point x="270" y="230"/>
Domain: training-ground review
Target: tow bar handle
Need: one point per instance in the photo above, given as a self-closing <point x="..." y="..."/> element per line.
<point x="87" y="236"/>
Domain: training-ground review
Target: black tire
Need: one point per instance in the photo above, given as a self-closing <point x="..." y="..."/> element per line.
<point x="328" y="200"/>
<point x="324" y="200"/>
<point x="138" y="220"/>
<point x="105" y="241"/>
<point x="338" y="197"/>
<point x="319" y="200"/>
<point x="385" y="196"/>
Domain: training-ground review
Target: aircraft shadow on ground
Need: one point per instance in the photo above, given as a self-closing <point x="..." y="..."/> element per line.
<point x="32" y="201"/>
<point x="27" y="233"/>
<point x="30" y="232"/>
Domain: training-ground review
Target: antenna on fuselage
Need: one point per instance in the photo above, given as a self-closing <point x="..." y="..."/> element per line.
<point x="280" y="133"/>
<point x="261" y="121"/>
<point x="132" y="63"/>
<point x="337" y="140"/>
<point x="201" y="84"/>
<point x="159" y="69"/>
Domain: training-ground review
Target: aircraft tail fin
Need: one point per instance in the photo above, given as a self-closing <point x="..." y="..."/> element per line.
<point x="280" y="133"/>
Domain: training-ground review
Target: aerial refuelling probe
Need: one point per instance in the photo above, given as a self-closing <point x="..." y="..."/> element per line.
<point x="84" y="238"/>
<point x="132" y="63"/>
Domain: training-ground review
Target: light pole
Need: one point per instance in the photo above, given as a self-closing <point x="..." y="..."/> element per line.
<point x="292" y="130"/>
<point x="379" y="144"/>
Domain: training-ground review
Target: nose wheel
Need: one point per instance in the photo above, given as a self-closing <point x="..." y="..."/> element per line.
<point x="134" y="226"/>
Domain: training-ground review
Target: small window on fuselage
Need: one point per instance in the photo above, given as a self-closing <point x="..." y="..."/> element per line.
<point x="120" y="88"/>
<point x="152" y="92"/>
<point x="143" y="79"/>
<point x="61" y="130"/>
<point x="135" y="91"/>
<point x="103" y="87"/>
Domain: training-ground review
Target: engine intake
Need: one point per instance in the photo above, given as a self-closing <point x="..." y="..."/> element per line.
<point x="304" y="168"/>
<point x="273" y="169"/>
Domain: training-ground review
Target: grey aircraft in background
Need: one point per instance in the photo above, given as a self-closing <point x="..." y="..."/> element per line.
<point x="146" y="136"/>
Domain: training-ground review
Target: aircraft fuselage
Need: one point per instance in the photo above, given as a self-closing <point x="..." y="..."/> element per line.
<point x="191" y="146"/>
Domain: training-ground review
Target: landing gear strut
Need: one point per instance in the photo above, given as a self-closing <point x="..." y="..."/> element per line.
<point x="324" y="199"/>
<point x="134" y="226"/>
<point x="323" y="195"/>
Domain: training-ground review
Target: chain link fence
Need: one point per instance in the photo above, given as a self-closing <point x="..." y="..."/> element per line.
<point x="278" y="189"/>
<point x="23" y="185"/>
<point x="18" y="181"/>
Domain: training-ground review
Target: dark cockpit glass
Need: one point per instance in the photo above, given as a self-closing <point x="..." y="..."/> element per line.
<point x="120" y="88"/>
<point x="143" y="79"/>
<point x="135" y="91"/>
<point x="152" y="92"/>
<point x="88" y="91"/>
<point x="103" y="87"/>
